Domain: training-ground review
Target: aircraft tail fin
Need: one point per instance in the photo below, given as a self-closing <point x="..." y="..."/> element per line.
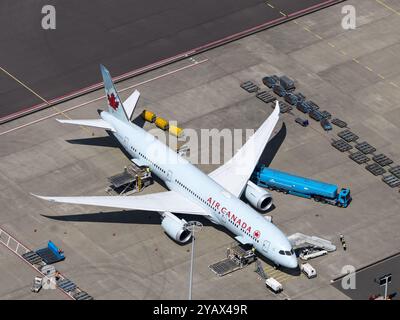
<point x="115" y="106"/>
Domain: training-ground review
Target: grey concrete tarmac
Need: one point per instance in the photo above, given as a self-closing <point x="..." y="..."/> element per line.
<point x="124" y="35"/>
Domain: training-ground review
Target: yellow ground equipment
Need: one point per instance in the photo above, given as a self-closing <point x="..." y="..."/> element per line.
<point x="162" y="123"/>
<point x="149" y="116"/>
<point x="175" y="131"/>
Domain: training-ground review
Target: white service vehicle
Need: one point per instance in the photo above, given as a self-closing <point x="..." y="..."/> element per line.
<point x="308" y="254"/>
<point x="308" y="270"/>
<point x="37" y="284"/>
<point x="273" y="285"/>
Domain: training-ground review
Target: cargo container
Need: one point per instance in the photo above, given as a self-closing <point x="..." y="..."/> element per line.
<point x="291" y="98"/>
<point x="302" y="187"/>
<point x="287" y="83"/>
<point x="162" y="123"/>
<point x="316" y="115"/>
<point x="312" y="105"/>
<point x="303" y="107"/>
<point x="149" y="116"/>
<point x="176" y="131"/>
<point x="270" y="81"/>
<point x="300" y="97"/>
<point x="279" y="90"/>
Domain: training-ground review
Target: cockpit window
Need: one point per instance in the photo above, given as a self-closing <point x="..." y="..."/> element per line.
<point x="281" y="252"/>
<point x="288" y="253"/>
<point x="292" y="251"/>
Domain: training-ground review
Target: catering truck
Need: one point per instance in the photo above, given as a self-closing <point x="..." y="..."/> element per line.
<point x="302" y="187"/>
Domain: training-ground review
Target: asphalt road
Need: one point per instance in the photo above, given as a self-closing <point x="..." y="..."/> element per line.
<point x="124" y="35"/>
<point x="365" y="280"/>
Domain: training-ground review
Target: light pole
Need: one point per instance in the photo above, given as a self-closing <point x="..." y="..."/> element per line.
<point x="193" y="227"/>
<point x="384" y="281"/>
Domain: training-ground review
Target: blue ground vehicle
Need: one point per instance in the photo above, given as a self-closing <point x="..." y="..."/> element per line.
<point x="51" y="253"/>
<point x="270" y="81"/>
<point x="302" y="122"/>
<point x="326" y="124"/>
<point x="302" y="187"/>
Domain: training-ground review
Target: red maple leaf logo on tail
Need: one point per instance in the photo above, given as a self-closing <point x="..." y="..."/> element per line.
<point x="113" y="103"/>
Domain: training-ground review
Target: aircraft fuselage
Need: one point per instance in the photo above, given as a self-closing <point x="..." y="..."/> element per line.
<point x="223" y="207"/>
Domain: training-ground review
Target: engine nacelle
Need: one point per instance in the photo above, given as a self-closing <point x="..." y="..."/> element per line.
<point x="258" y="197"/>
<point x="174" y="227"/>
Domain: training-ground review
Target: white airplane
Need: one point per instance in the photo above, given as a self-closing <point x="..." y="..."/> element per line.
<point x="215" y="196"/>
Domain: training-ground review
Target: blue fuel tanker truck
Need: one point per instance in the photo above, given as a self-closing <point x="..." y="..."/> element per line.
<point x="302" y="187"/>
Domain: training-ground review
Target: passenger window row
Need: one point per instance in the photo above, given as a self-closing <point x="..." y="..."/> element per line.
<point x="192" y="192"/>
<point x="144" y="157"/>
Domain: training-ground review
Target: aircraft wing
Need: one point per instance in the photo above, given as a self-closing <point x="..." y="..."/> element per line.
<point x="160" y="202"/>
<point x="97" y="123"/>
<point x="235" y="173"/>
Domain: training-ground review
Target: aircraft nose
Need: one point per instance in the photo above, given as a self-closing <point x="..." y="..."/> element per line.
<point x="292" y="263"/>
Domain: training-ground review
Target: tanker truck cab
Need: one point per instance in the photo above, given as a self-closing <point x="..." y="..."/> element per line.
<point x="344" y="198"/>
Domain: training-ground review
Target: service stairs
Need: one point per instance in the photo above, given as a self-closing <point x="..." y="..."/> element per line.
<point x="260" y="270"/>
<point x="300" y="240"/>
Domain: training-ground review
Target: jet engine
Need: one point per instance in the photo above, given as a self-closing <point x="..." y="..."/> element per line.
<point x="258" y="197"/>
<point x="174" y="227"/>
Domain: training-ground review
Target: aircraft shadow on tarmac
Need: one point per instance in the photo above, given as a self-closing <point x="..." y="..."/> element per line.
<point x="132" y="217"/>
<point x="146" y="217"/>
<point x="273" y="146"/>
<point x="106" y="141"/>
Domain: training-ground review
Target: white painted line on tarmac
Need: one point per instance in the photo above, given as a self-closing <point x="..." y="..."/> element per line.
<point x="103" y="96"/>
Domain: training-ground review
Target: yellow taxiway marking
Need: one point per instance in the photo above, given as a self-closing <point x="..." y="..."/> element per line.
<point x="388" y="7"/>
<point x="38" y="95"/>
<point x="368" y="68"/>
<point x="277" y="274"/>
<point x="342" y="52"/>
<point x="23" y="84"/>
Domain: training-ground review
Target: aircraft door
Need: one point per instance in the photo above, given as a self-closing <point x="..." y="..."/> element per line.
<point x="223" y="218"/>
<point x="266" y="245"/>
<point x="169" y="175"/>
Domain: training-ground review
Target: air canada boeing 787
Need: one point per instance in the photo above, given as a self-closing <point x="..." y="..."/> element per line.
<point x="215" y="196"/>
